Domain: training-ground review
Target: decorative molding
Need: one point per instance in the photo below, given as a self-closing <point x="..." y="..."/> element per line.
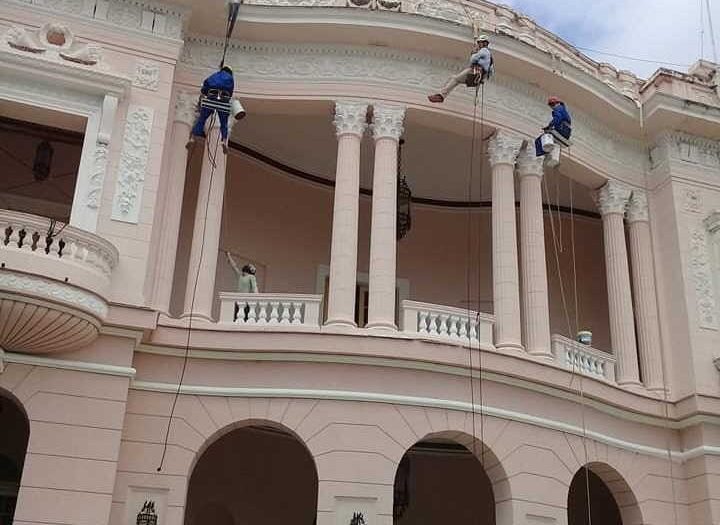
<point x="350" y="118"/>
<point x="186" y="107"/>
<point x="78" y="366"/>
<point x="54" y="41"/>
<point x="504" y="148"/>
<point x="2" y="360"/>
<point x="613" y="197"/>
<point x="97" y="176"/>
<point x="637" y="210"/>
<point x="528" y="164"/>
<point x="35" y="286"/>
<point x="677" y="146"/>
<point x="315" y="63"/>
<point x="702" y="276"/>
<point x="148" y="16"/>
<point x="692" y="200"/>
<point x="712" y="222"/>
<point x="147" y="75"/>
<point x="388" y="121"/>
<point x="447" y="404"/>
<point x="133" y="164"/>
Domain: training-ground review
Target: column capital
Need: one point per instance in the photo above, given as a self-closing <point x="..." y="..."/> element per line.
<point x="388" y="121"/>
<point x="637" y="210"/>
<point x="528" y="164"/>
<point x="186" y="108"/>
<point x="350" y="118"/>
<point x="504" y="147"/>
<point x="613" y="197"/>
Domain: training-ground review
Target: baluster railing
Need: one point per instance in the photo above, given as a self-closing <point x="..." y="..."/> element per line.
<point x="281" y="310"/>
<point x="449" y="324"/>
<point x="583" y="359"/>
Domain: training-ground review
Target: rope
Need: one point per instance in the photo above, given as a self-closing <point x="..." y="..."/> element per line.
<point x="194" y="293"/>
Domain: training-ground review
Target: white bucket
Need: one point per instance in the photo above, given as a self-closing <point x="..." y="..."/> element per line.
<point x="548" y="142"/>
<point x="584" y="337"/>
<point x="238" y="111"/>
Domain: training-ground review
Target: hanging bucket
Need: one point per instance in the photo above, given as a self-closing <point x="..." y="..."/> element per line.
<point x="584" y="337"/>
<point x="548" y="142"/>
<point x="238" y="111"/>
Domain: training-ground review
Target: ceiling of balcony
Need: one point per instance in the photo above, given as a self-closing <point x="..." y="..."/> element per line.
<point x="436" y="161"/>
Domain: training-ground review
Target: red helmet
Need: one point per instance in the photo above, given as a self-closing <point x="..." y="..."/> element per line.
<point x="554" y="100"/>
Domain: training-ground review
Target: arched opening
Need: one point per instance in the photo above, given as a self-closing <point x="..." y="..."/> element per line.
<point x="13" y="445"/>
<point x="439" y="482"/>
<point x="607" y="495"/>
<point x="253" y="474"/>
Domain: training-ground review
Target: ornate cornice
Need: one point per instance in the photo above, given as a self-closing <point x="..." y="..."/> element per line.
<point x="613" y="198"/>
<point x="392" y="69"/>
<point x="504" y="147"/>
<point x="388" y="121"/>
<point x="528" y="164"/>
<point x="678" y="146"/>
<point x="147" y="16"/>
<point x="186" y="107"/>
<point x="350" y="118"/>
<point x="637" y="210"/>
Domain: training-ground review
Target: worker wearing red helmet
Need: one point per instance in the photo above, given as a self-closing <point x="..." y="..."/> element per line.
<point x="561" y="124"/>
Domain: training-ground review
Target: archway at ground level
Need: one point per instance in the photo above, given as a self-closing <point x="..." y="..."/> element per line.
<point x="610" y="499"/>
<point x="440" y="482"/>
<point x="255" y="474"/>
<point x="13" y="446"/>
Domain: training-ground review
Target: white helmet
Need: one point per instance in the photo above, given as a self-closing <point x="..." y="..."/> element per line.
<point x="482" y="38"/>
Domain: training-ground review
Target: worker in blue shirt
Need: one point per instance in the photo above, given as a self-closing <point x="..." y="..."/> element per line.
<point x="217" y="87"/>
<point x="481" y="63"/>
<point x="560" y="126"/>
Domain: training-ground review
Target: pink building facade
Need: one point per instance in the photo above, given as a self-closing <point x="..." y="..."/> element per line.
<point x="427" y="380"/>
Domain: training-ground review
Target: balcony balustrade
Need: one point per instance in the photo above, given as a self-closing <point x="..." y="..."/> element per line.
<point x="583" y="359"/>
<point x="448" y="324"/>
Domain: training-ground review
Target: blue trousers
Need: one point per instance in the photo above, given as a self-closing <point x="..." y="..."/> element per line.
<point x="563" y="130"/>
<point x="199" y="127"/>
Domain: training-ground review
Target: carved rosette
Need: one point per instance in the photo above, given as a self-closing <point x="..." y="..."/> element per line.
<point x="186" y="108"/>
<point x="528" y="164"/>
<point x="637" y="210"/>
<point x="388" y="121"/>
<point x="504" y="147"/>
<point x="613" y="198"/>
<point x="350" y="118"/>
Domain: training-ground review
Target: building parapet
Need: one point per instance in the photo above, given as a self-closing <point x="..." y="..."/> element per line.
<point x="583" y="359"/>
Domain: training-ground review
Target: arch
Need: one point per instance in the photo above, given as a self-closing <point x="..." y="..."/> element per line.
<point x="612" y="501"/>
<point x="239" y="474"/>
<point x="13" y="448"/>
<point x="476" y="483"/>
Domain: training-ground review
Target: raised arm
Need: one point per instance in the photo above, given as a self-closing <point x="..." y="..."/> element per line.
<point x="232" y="262"/>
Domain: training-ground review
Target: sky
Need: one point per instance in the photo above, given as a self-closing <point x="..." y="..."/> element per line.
<point x="664" y="30"/>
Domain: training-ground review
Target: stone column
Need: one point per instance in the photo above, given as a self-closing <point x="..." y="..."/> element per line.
<point x="503" y="150"/>
<point x="536" y="313"/>
<point x="185" y="112"/>
<point x="612" y="200"/>
<point x="350" y="123"/>
<point x="646" y="307"/>
<point x="387" y="129"/>
<point x="206" y="232"/>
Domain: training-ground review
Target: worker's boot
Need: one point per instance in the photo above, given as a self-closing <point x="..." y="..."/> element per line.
<point x="190" y="142"/>
<point x="436" y="98"/>
<point x="225" y="147"/>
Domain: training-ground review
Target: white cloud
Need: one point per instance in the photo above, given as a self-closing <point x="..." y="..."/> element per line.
<point x="665" y="30"/>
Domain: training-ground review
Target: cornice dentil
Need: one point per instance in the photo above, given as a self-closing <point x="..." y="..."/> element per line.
<point x="504" y="147"/>
<point x="613" y="197"/>
<point x="388" y="121"/>
<point x="350" y="118"/>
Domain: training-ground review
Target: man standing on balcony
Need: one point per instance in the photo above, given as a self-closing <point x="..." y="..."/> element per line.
<point x="217" y="89"/>
<point x="481" y="64"/>
<point x="246" y="283"/>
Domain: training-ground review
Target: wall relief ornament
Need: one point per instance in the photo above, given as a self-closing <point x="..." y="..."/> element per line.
<point x="133" y="164"/>
<point x="147" y="75"/>
<point x="186" y="107"/>
<point x="54" y="41"/>
<point x="702" y="276"/>
<point x="687" y="148"/>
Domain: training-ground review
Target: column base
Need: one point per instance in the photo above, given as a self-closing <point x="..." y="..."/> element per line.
<point x="542" y="354"/>
<point x="382" y="327"/>
<point x="340" y="322"/>
<point x="197" y="317"/>
<point x="633" y="386"/>
<point x="511" y="348"/>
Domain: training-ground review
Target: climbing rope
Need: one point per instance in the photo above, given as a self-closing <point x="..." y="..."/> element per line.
<point x="212" y="158"/>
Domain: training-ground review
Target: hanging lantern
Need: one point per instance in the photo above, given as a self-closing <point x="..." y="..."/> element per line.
<point x="147" y="515"/>
<point x="401" y="497"/>
<point x="404" y="199"/>
<point x="43" y="161"/>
